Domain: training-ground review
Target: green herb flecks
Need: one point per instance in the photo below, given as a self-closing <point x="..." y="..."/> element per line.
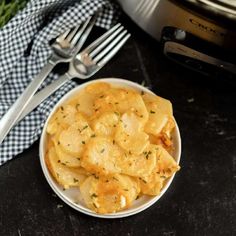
<point x="94" y="195"/>
<point x="10" y="9"/>
<point x="85" y="127"/>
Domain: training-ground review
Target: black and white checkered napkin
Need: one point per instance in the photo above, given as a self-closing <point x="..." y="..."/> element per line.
<point x="24" y="49"/>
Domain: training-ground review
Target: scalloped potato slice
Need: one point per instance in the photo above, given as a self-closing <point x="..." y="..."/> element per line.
<point x="166" y="164"/>
<point x="62" y="118"/>
<point x="97" y="88"/>
<point x="129" y="100"/>
<point x="109" y="194"/>
<point x="156" y="102"/>
<point x="84" y="101"/>
<point x="129" y="135"/>
<point x="64" y="175"/>
<point x="132" y="143"/>
<point x="105" y="124"/>
<point x="152" y="185"/>
<point x="156" y="122"/>
<point x="138" y="165"/>
<point x="66" y="158"/>
<point x="130" y="123"/>
<point x="170" y="125"/>
<point x="122" y="100"/>
<point x="73" y="139"/>
<point x="100" y="156"/>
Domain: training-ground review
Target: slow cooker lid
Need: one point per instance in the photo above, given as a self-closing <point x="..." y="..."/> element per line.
<point x="222" y="11"/>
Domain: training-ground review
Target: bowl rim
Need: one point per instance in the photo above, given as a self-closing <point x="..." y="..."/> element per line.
<point x="67" y="200"/>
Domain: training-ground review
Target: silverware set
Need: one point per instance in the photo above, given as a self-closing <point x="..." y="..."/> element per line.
<point x="82" y="65"/>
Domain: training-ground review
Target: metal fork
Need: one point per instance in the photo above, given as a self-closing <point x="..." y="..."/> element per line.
<point x="85" y="64"/>
<point x="65" y="47"/>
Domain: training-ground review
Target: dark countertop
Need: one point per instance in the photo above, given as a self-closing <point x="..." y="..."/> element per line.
<point x="202" y="198"/>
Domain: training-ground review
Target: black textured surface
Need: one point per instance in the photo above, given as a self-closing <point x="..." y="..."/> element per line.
<point x="202" y="198"/>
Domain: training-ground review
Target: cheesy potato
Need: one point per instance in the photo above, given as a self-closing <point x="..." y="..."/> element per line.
<point x="112" y="143"/>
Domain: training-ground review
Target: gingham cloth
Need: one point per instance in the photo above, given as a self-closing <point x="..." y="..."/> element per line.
<point x="24" y="50"/>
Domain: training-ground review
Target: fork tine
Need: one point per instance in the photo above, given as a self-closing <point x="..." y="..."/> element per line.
<point x="97" y="42"/>
<point x="72" y="33"/>
<point x="63" y="36"/>
<point x="83" y="33"/>
<point x="106" y="42"/>
<point x="113" y="51"/>
<point x="109" y="47"/>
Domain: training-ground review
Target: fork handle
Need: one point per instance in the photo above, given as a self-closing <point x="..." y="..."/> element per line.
<point x="43" y="94"/>
<point x="10" y="117"/>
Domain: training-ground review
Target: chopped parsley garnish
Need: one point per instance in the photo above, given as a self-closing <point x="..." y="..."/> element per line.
<point x="152" y="112"/>
<point x="93" y="136"/>
<point x="102" y="151"/>
<point x="85" y="127"/>
<point x="77" y="106"/>
<point x="94" y="195"/>
<point x="96" y="177"/>
<point x="83" y="142"/>
<point x="147" y="155"/>
<point x="75" y="180"/>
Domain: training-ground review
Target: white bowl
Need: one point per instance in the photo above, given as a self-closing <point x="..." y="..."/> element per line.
<point x="70" y="196"/>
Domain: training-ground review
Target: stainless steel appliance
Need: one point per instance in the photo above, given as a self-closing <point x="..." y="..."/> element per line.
<point x="200" y="34"/>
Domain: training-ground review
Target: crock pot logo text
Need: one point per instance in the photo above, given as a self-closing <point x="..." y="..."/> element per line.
<point x="206" y="28"/>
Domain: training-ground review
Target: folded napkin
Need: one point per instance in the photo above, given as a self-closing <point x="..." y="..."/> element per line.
<point x="24" y="50"/>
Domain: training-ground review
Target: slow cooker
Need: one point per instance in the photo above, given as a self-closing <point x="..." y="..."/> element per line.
<point x="199" y="34"/>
